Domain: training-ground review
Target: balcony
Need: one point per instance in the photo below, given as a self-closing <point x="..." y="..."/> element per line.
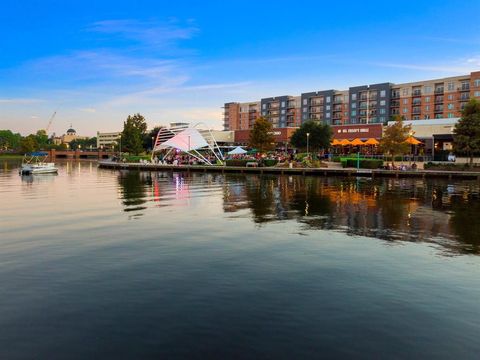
<point x="438" y="108"/>
<point x="439" y="90"/>
<point x="464" y="96"/>
<point x="395" y="95"/>
<point x="364" y="97"/>
<point x="394" y="103"/>
<point x="417" y="93"/>
<point x="316" y="103"/>
<point x="438" y="99"/>
<point x="417" y="102"/>
<point x="416" y="111"/>
<point x="338" y="101"/>
<point x="465" y="87"/>
<point x="337" y="108"/>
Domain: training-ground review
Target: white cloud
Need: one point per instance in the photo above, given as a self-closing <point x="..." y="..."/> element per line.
<point x="152" y="33"/>
<point x="20" y="101"/>
<point x="458" y="66"/>
<point x="88" y="110"/>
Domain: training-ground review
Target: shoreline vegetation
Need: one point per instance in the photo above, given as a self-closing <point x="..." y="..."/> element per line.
<point x="11" y="156"/>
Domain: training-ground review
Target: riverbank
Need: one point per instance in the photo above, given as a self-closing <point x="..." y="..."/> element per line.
<point x="347" y="172"/>
<point x="11" y="157"/>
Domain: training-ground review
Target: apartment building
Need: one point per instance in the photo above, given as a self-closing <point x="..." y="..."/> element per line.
<point x="364" y="104"/>
<point x="282" y="111"/>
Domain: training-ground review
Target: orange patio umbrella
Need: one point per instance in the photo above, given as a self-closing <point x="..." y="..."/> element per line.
<point x="412" y="141"/>
<point x="344" y="142"/>
<point x="372" y="141"/>
<point x="335" y="142"/>
<point x="357" y="142"/>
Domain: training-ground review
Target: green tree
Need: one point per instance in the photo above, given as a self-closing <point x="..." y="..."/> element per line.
<point x="29" y="143"/>
<point x="261" y="136"/>
<point x="147" y="139"/>
<point x="134" y="129"/>
<point x="9" y="140"/>
<point x="467" y="130"/>
<point x="394" y="136"/>
<point x="319" y="136"/>
<point x="42" y="138"/>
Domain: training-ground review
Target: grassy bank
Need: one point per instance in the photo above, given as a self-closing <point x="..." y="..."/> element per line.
<point x="11" y="157"/>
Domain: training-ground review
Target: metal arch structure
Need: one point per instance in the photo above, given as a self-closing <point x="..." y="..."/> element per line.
<point x="175" y="139"/>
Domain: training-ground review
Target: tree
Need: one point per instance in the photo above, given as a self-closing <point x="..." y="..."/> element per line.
<point x="319" y="137"/>
<point x="9" y="140"/>
<point x="134" y="129"/>
<point x="147" y="138"/>
<point x="467" y="130"/>
<point x="42" y="138"/>
<point x="29" y="143"/>
<point x="394" y="136"/>
<point x="261" y="136"/>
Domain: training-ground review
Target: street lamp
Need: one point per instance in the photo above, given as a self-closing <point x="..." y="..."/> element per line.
<point x="308" y="137"/>
<point x="153" y="138"/>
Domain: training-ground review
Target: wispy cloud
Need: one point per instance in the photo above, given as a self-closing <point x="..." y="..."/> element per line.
<point x="20" y="101"/>
<point x="153" y="33"/>
<point x="460" y="66"/>
<point x="88" y="110"/>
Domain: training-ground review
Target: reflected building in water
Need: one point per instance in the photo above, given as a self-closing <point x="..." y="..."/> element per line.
<point x="390" y="209"/>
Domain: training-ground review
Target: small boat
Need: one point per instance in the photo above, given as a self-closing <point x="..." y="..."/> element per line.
<point x="35" y="163"/>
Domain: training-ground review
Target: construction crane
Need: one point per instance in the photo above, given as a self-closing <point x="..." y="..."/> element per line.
<point x="50" y="121"/>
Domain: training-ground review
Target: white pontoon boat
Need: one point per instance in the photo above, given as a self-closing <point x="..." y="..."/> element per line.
<point x="35" y="163"/>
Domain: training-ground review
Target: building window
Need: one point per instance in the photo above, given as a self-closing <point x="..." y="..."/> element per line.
<point x="305" y="101"/>
<point x="405" y="101"/>
<point x="383" y="102"/>
<point x="354" y="112"/>
<point x="450" y="115"/>
<point x="405" y="110"/>
<point x="405" y="92"/>
<point x="327" y="107"/>
<point x="427" y="89"/>
<point x="283" y="103"/>
<point x="427" y="99"/>
<point x="382" y="119"/>
<point x="354" y="105"/>
<point x="476" y="83"/>
<point x="283" y="111"/>
<point x="382" y="111"/>
<point x="427" y="108"/>
<point x="451" y="86"/>
<point x="354" y="97"/>
<point x="427" y="117"/>
<point x="450" y="106"/>
<point x="305" y="109"/>
<point x="264" y="106"/>
<point x="328" y="99"/>
<point x="383" y="93"/>
<point x="327" y="115"/>
<point x="476" y="93"/>
<point x="345" y="99"/>
<point x="450" y="97"/>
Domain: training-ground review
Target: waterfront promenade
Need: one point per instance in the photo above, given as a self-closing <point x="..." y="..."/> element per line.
<point x="347" y="172"/>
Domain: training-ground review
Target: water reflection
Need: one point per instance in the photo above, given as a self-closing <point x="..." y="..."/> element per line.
<point x="434" y="211"/>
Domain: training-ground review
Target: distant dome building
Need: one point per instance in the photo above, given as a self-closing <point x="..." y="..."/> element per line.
<point x="71" y="132"/>
<point x="67" y="138"/>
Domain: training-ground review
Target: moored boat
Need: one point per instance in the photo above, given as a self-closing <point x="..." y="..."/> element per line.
<point x="35" y="163"/>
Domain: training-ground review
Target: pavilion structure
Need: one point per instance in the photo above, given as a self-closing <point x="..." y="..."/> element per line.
<point x="193" y="141"/>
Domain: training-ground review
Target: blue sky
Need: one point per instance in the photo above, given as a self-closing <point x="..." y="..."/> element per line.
<point x="98" y="61"/>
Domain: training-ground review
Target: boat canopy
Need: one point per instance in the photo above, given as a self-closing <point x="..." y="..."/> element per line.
<point x="37" y="153"/>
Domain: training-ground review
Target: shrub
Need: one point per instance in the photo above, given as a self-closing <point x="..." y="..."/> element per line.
<point x="364" y="163"/>
<point x="237" y="162"/>
<point x="270" y="162"/>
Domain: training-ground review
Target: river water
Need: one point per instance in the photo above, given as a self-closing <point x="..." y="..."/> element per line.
<point x="117" y="264"/>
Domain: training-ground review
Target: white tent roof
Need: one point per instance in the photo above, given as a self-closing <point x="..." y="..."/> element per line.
<point x="238" y="150"/>
<point x="186" y="140"/>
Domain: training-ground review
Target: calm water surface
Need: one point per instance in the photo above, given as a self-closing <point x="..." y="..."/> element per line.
<point x="107" y="264"/>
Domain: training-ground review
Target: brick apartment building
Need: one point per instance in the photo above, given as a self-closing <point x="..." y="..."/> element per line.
<point x="366" y="104"/>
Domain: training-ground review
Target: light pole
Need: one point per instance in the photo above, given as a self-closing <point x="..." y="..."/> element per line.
<point x="153" y="138"/>
<point x="308" y="137"/>
<point x="120" y="145"/>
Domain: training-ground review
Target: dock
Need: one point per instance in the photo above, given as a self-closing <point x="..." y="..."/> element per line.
<point x="347" y="172"/>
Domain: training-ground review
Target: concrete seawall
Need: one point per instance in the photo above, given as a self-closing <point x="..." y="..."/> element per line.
<point x="296" y="171"/>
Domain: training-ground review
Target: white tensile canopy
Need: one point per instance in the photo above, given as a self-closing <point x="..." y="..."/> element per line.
<point x="189" y="141"/>
<point x="237" y="151"/>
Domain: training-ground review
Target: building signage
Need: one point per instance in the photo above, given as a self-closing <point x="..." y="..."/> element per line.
<point x="357" y="131"/>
